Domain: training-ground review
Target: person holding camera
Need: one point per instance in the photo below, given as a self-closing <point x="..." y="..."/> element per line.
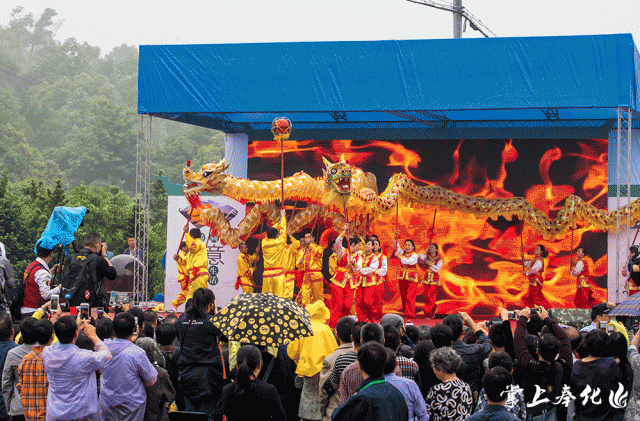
<point x="546" y="373"/>
<point x="92" y="290"/>
<point x="125" y="376"/>
<point x="38" y="283"/>
<point x="71" y="371"/>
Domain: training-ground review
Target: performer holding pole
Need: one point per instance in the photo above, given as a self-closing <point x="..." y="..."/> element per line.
<point x="580" y="271"/>
<point x="381" y="273"/>
<point x="534" y="270"/>
<point x="289" y="264"/>
<point x="366" y="291"/>
<point x="310" y="260"/>
<point x="408" y="279"/>
<point x="273" y="248"/>
<point x="181" y="260"/>
<point x="341" y="291"/>
<point x="632" y="271"/>
<point x="431" y="263"/>
<point x="197" y="265"/>
<point x="246" y="267"/>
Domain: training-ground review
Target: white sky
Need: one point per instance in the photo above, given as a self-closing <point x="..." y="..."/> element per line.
<point x="135" y="22"/>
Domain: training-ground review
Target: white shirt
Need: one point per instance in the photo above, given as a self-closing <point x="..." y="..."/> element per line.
<point x="577" y="269"/>
<point x="537" y="267"/>
<point x="412" y="260"/>
<point x="382" y="271"/>
<point x="373" y="266"/>
<point x="433" y="268"/>
<point x="43" y="279"/>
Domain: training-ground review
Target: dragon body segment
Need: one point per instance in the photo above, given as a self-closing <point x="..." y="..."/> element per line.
<point x="345" y="190"/>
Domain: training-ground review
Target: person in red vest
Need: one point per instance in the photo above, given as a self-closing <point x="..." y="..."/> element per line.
<point x="38" y="285"/>
<point x="346" y="263"/>
<point x="381" y="272"/>
<point x="534" y="270"/>
<point x="408" y="279"/>
<point x="580" y="271"/>
<point x="431" y="263"/>
<point x="366" y="291"/>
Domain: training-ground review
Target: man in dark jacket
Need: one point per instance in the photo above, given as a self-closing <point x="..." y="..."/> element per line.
<point x="375" y="398"/>
<point x="544" y="376"/>
<point x="93" y="255"/>
<point x="472" y="354"/>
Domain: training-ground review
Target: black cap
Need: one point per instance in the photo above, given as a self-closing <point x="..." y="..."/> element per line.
<point x="599" y="310"/>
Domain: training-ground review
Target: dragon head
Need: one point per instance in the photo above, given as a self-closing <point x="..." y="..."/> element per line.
<point x="338" y="179"/>
<point x="338" y="176"/>
<point x="210" y="178"/>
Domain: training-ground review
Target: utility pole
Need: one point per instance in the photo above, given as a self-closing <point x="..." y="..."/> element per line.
<point x="457" y="18"/>
<point x="459" y="13"/>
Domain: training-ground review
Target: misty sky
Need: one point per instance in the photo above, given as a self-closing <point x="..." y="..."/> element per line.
<point x="108" y="24"/>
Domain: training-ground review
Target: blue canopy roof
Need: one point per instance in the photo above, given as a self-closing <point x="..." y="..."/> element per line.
<point x="464" y="88"/>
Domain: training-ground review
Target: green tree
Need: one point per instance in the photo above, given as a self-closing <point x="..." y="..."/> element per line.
<point x="103" y="152"/>
<point x="120" y="66"/>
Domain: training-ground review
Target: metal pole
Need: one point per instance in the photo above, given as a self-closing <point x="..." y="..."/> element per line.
<point x="618" y="145"/>
<point x="457" y="18"/>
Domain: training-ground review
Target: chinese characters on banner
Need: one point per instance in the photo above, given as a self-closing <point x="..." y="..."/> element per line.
<point x="222" y="259"/>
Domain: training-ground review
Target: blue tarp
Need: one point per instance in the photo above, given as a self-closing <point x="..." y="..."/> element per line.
<point x="62" y="226"/>
<point x="368" y="85"/>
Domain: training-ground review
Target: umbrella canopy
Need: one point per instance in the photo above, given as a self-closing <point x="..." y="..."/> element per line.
<point x="629" y="307"/>
<point x="124" y="264"/>
<point x="263" y="319"/>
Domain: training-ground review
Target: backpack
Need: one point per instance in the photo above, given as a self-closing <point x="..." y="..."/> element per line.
<point x="15" y="295"/>
<point x="79" y="280"/>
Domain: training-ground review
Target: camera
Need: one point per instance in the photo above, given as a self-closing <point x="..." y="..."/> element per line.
<point x="535" y="310"/>
<point x="512" y="315"/>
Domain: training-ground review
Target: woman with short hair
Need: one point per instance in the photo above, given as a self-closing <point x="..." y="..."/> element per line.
<point x="452" y="399"/>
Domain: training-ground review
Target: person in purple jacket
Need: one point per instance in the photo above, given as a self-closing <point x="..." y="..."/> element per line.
<point x="71" y="371"/>
<point x="122" y="385"/>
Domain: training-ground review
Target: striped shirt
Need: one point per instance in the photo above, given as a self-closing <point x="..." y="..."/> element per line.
<point x="342" y="362"/>
<point x="34" y="385"/>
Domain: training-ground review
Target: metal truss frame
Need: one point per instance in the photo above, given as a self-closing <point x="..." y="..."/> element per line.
<point x="142" y="208"/>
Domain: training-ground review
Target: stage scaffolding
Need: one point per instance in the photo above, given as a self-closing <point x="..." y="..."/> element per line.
<point x="142" y="208"/>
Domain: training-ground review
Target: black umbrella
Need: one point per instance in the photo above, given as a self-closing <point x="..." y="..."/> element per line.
<point x="263" y="319"/>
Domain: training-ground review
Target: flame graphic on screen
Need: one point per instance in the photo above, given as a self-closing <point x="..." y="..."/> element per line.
<point x="483" y="268"/>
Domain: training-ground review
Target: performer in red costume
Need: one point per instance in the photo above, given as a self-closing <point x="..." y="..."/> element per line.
<point x="381" y="272"/>
<point x="341" y="291"/>
<point x="580" y="271"/>
<point x="366" y="291"/>
<point x="534" y="270"/>
<point x="408" y="279"/>
<point x="431" y="263"/>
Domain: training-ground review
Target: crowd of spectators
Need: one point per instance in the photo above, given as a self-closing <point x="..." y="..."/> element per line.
<point x="530" y="367"/>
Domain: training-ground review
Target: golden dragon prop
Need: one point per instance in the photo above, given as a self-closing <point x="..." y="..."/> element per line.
<point x="345" y="188"/>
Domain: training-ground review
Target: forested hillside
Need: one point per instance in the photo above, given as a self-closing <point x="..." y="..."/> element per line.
<point x="68" y="128"/>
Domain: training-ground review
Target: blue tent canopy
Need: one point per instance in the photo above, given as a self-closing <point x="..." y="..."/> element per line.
<point x="536" y="87"/>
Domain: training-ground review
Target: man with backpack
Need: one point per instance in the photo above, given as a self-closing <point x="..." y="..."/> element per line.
<point x="85" y="273"/>
<point x="38" y="285"/>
